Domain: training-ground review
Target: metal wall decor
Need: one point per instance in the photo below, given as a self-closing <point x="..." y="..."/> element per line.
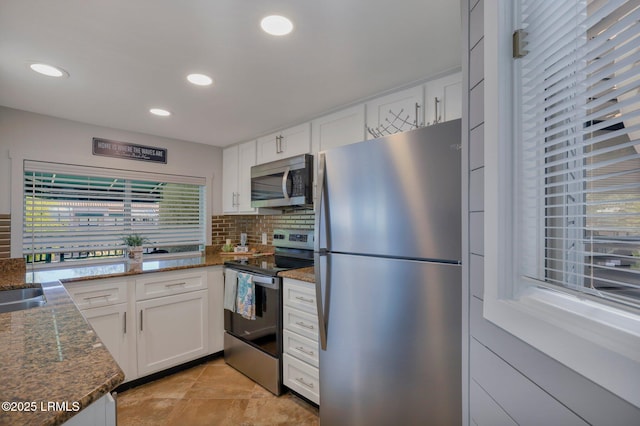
<point x="398" y="123"/>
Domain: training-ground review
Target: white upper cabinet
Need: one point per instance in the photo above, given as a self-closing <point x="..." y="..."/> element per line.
<point x="237" y="161"/>
<point x="444" y="99"/>
<point x="395" y="112"/>
<point x="286" y="143"/>
<point x="340" y="128"/>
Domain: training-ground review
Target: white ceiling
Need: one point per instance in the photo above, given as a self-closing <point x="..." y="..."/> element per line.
<point x="125" y="56"/>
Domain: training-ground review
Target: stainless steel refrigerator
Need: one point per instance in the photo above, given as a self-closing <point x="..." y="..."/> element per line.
<point x="388" y="279"/>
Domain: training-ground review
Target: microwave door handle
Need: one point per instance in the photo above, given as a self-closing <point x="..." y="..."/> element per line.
<point x="285" y="178"/>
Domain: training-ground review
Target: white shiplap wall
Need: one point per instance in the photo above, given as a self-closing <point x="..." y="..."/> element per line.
<point x="506" y="381"/>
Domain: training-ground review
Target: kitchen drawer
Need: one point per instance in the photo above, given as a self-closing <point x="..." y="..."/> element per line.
<point x="300" y="322"/>
<point x="300" y="295"/>
<point x="301" y="347"/>
<point x="168" y="283"/>
<point x="92" y="294"/>
<point x="301" y="377"/>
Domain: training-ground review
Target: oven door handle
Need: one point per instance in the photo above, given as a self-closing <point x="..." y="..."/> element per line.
<point x="263" y="281"/>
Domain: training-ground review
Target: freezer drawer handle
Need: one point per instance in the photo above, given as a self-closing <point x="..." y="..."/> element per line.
<point x="303" y="350"/>
<point x="304" y="299"/>
<point x="301" y="380"/>
<point x="302" y="324"/>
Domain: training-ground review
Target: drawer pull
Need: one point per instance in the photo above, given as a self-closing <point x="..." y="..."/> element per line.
<point x="301" y="324"/>
<point x="303" y="350"/>
<point x="301" y="380"/>
<point x="105" y="296"/>
<point x="304" y="299"/>
<point x="175" y="284"/>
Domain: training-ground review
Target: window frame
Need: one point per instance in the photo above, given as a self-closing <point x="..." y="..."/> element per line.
<point x="18" y="160"/>
<point x="596" y="339"/>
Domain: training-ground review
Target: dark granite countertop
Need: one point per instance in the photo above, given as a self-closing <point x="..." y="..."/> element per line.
<point x="71" y="273"/>
<point x="50" y="354"/>
<point x="302" y="274"/>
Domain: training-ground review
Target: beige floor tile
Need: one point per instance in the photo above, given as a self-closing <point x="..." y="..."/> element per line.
<point x="211" y="394"/>
<point x="142" y="412"/>
<point x="208" y="412"/>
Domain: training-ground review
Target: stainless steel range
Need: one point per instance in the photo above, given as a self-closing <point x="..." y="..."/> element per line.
<point x="254" y="346"/>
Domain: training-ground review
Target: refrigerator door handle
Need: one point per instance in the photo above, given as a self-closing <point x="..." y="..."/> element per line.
<point x="285" y="178"/>
<point x="318" y="201"/>
<point x="322" y="317"/>
<point x="320" y="252"/>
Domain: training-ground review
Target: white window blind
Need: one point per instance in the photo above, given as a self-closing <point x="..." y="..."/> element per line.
<point x="578" y="160"/>
<point x="75" y="212"/>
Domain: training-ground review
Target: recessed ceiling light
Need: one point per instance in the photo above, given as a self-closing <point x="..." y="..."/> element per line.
<point x="276" y="25"/>
<point x="200" y="79"/>
<point x="48" y="70"/>
<point x="159" y="111"/>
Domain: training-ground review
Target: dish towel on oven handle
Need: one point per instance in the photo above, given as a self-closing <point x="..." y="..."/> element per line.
<point x="230" y="289"/>
<point x="246" y="301"/>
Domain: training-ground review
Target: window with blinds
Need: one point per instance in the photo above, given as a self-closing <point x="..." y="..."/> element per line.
<point x="578" y="159"/>
<point x="81" y="213"/>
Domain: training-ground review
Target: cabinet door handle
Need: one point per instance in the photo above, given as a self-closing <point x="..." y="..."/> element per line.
<point x="303" y="350"/>
<point x="141" y="320"/>
<point x="304" y="299"/>
<point x="105" y="296"/>
<point x="437" y="117"/>
<point x="125" y="323"/>
<point x="301" y="324"/>
<point x="301" y="380"/>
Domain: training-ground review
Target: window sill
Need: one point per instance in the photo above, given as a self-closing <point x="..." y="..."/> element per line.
<point x="600" y="342"/>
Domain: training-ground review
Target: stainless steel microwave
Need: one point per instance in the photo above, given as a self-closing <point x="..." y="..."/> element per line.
<point x="283" y="183"/>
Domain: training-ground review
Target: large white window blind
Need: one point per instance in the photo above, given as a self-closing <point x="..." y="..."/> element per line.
<point x="578" y="157"/>
<point x="76" y="212"/>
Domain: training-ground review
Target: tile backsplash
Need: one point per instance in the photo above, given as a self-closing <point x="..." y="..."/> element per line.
<point x="5" y="236"/>
<point x="230" y="226"/>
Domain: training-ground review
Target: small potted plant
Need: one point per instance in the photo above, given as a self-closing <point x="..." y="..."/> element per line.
<point x="134" y="244"/>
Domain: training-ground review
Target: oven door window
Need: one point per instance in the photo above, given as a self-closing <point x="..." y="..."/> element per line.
<point x="263" y="331"/>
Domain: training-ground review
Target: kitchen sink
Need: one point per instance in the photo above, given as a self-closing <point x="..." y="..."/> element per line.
<point x="19" y="299"/>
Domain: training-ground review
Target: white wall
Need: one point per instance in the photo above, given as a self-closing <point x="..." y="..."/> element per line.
<point x="39" y="137"/>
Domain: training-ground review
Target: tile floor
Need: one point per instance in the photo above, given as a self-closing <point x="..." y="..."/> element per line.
<point x="211" y="394"/>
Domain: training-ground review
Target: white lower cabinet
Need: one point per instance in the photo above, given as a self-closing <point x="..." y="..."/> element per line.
<point x="114" y="327"/>
<point x="104" y="304"/>
<point x="301" y="377"/>
<point x="155" y="321"/>
<point x="99" y="413"/>
<point x="300" y="361"/>
<point x="215" y="281"/>
<point x="171" y="330"/>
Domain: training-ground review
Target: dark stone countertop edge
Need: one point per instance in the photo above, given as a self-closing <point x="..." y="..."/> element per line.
<point x="76" y="380"/>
